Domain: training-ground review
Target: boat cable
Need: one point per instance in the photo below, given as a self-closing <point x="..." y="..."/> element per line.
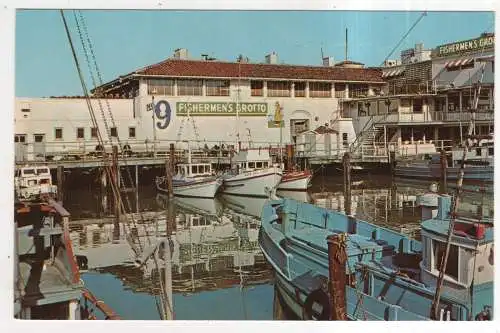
<point x="458" y="192"/>
<point x="404" y="36"/>
<point x="114" y="185"/>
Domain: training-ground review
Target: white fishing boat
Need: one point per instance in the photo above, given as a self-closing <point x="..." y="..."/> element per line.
<point x="34" y="182"/>
<point x="295" y="181"/>
<point x="192" y="180"/>
<point x="253" y="174"/>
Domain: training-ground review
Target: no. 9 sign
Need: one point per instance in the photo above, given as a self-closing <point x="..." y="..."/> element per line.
<point x="163" y="113"/>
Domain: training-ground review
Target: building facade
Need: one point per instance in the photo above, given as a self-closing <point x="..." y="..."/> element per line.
<point x="205" y="100"/>
<point x="427" y="104"/>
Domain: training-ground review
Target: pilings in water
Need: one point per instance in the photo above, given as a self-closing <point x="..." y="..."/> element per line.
<point x="337" y="258"/>
<point x="60" y="183"/>
<point x="346" y="161"/>
<point x="117" y="198"/>
<point x="289" y="155"/>
<point x="169" y="170"/>
<point x="444" y="172"/>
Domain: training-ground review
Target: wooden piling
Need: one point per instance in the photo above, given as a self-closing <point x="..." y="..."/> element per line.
<point x="169" y="168"/>
<point x="60" y="183"/>
<point x="117" y="208"/>
<point x="347" y="183"/>
<point x="444" y="172"/>
<point x="337" y="258"/>
<point x="289" y="155"/>
<point x="137" y="188"/>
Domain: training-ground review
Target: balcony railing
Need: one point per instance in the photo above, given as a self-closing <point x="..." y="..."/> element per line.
<point x="435" y="116"/>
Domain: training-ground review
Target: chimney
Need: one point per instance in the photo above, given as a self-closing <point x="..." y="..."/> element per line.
<point x="328" y="61"/>
<point x="181" y="54"/>
<point x="272" y="58"/>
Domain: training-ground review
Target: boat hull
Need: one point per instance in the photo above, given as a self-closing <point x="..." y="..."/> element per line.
<point x="198" y="189"/>
<point x="471" y="174"/>
<point x="297" y="181"/>
<point x="258" y="184"/>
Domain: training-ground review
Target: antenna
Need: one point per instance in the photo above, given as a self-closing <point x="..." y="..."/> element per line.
<point x="346" y="44"/>
<point x="322" y="56"/>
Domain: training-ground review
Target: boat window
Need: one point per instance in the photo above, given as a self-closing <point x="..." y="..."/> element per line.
<point x="452" y="264"/>
<point x="490" y="151"/>
<point x="478" y="151"/>
<point x="43" y="171"/>
<point x="28" y="172"/>
<point x="259" y="165"/>
<point x="251" y="165"/>
<point x="194" y="169"/>
<point x="266" y="164"/>
<point x="207" y="168"/>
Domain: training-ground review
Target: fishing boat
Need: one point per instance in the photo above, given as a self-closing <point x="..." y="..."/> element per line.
<point x="192" y="180"/>
<point x="34" y="182"/>
<point x="295" y="181"/>
<point x="388" y="275"/>
<point x="253" y="174"/>
<point x="478" y="171"/>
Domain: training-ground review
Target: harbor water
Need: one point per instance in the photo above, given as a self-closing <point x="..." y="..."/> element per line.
<point x="217" y="269"/>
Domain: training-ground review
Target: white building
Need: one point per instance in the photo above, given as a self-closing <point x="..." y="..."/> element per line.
<point x="206" y="100"/>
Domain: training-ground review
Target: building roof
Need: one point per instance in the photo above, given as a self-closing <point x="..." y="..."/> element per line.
<point x="175" y="67"/>
<point x="220" y="69"/>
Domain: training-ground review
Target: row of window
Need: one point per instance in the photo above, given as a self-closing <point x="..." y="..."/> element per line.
<point x="80" y="132"/>
<point x="194" y="87"/>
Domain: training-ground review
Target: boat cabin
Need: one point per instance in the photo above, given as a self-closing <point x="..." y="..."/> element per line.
<point x="469" y="271"/>
<point x="33" y="176"/>
<point x="194" y="170"/>
<point x="252" y="159"/>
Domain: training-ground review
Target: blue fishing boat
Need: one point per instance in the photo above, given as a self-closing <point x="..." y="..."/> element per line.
<point x="388" y="275"/>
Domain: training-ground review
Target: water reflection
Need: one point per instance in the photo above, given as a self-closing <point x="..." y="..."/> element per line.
<point x="213" y="256"/>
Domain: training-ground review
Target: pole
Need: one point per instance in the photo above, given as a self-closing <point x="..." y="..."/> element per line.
<point x="60" y="183"/>
<point x="169" y="167"/>
<point x="444" y="172"/>
<point x="337" y="258"/>
<point x="116" y="175"/>
<point x="137" y="188"/>
<point x="154" y="126"/>
<point x="347" y="183"/>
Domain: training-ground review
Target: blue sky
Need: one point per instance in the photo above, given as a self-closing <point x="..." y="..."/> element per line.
<point x="126" y="40"/>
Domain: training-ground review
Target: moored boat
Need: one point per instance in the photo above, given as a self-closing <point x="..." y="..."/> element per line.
<point x="295" y="181"/>
<point x="252" y="174"/>
<point x="33" y="183"/>
<point x="478" y="171"/>
<point x="389" y="276"/>
<point x="192" y="180"/>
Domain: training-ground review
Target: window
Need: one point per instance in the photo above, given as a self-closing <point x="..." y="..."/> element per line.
<point x="300" y="89"/>
<point x="131" y="132"/>
<point x="161" y="87"/>
<point x="257" y="88"/>
<point x="259" y="165"/>
<point x="217" y="87"/>
<point x="93" y="132"/>
<point x="417" y="105"/>
<point x="21" y="138"/>
<point x="25" y="110"/>
<point x="278" y="88"/>
<point x="490" y="151"/>
<point x="452" y="264"/>
<point x="251" y="165"/>
<point x="80" y="133"/>
<point x="194" y="169"/>
<point x="478" y="151"/>
<point x="38" y="137"/>
<point x="320" y="89"/>
<point x="344" y="139"/>
<point x="266" y="164"/>
<point x="114" y="132"/>
<point x="189" y="87"/>
<point x="58" y="133"/>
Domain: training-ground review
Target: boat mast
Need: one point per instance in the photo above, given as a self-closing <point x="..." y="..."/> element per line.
<point x="237" y="108"/>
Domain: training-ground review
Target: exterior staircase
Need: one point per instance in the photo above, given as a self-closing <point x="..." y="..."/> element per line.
<point x="365" y="143"/>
